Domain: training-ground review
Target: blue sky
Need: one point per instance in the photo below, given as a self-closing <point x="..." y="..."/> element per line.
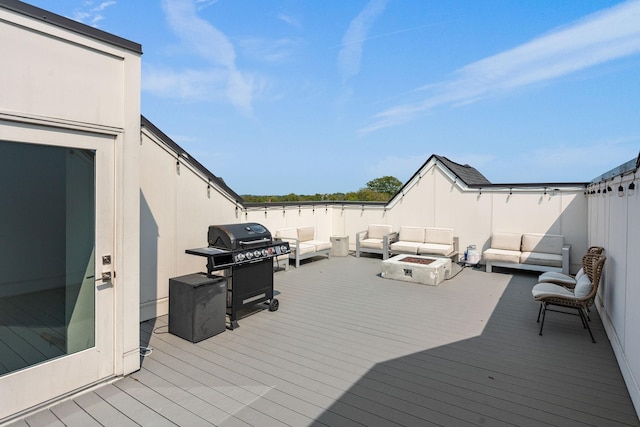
<point x="292" y="96"/>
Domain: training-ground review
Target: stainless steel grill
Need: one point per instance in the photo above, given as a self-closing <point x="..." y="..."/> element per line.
<point x="245" y="252"/>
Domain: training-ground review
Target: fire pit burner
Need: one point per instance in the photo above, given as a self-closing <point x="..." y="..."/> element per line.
<point x="423" y="261"/>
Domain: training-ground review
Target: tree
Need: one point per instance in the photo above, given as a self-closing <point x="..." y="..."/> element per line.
<point x="387" y="184"/>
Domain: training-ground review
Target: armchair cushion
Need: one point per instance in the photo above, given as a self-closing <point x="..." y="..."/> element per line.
<point x="560" y="278"/>
<point x="378" y="231"/>
<point x="371" y="243"/>
<point x="546" y="289"/>
<point x="583" y="287"/>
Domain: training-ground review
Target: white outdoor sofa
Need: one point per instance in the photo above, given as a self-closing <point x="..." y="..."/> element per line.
<point x="303" y="243"/>
<point x="528" y="251"/>
<point x="426" y="241"/>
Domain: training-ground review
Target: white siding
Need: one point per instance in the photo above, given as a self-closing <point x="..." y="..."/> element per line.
<point x="614" y="223"/>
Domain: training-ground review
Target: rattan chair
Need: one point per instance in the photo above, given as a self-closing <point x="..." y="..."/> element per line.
<point x="578" y="298"/>
<point x="566" y="280"/>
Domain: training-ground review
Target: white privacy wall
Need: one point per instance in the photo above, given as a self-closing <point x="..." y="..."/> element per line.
<point x="614" y="222"/>
<point x="176" y="209"/>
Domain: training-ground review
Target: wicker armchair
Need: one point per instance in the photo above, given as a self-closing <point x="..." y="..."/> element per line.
<point x="578" y="298"/>
<point x="566" y="280"/>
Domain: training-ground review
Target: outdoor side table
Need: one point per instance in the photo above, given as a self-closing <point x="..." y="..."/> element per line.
<point x="339" y="245"/>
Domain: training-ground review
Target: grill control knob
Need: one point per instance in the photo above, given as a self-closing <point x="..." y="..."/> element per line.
<point x="265" y="252"/>
<point x="249" y="255"/>
<point x="240" y="257"/>
<point x="283" y="248"/>
<point x="256" y="253"/>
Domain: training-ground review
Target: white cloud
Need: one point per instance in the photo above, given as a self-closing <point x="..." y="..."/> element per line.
<point x="268" y="50"/>
<point x="187" y="85"/>
<point x="202" y="39"/>
<point x="350" y="55"/>
<point x="604" y="36"/>
<point x="91" y="14"/>
<point x="288" y="19"/>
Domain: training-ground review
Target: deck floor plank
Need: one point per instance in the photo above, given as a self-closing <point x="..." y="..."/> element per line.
<point x="349" y="348"/>
<point x="102" y="411"/>
<point x="73" y="415"/>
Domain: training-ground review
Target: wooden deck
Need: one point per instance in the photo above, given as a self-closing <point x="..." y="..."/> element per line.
<point x="348" y="348"/>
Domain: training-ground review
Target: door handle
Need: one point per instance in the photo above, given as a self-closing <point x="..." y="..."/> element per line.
<point x="104" y="277"/>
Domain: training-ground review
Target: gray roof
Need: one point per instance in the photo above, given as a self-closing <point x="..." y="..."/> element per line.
<point x="465" y="173"/>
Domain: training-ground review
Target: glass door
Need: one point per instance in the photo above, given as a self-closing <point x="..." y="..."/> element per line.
<point x="56" y="285"/>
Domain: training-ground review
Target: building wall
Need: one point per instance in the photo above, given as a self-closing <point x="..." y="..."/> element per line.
<point x="176" y="208"/>
<point x="67" y="83"/>
<point x="614" y="224"/>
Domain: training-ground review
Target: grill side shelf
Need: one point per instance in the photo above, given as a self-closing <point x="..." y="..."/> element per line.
<point x="218" y="259"/>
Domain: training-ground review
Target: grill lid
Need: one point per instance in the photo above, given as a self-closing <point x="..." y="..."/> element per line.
<point x="237" y="236"/>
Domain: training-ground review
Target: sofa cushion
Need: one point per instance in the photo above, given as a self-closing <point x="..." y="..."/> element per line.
<point x="405" y="247"/>
<point x="435" y="249"/>
<point x="305" y="248"/>
<point x="411" y="234"/>
<point x="443" y="236"/>
<point x="319" y="244"/>
<point x="540" y="258"/>
<point x="377" y="231"/>
<point x="583" y="287"/>
<point x="287" y="233"/>
<point x="542" y="243"/>
<point x="506" y="241"/>
<point x="306" y="233"/>
<point x="501" y="255"/>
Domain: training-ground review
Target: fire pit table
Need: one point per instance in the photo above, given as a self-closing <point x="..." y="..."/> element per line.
<point x="417" y="269"/>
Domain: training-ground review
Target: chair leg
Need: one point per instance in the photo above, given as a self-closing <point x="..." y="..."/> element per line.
<point x="583" y="316"/>
<point x="540" y="312"/>
<point x="543" y="308"/>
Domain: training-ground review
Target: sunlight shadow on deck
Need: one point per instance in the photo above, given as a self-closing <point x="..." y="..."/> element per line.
<point x="506" y="375"/>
